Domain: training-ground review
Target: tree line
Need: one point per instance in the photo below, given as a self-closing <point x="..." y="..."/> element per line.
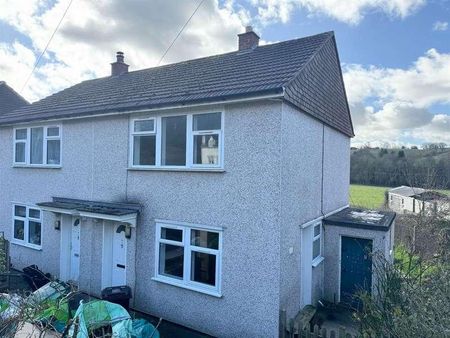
<point x="428" y="167"/>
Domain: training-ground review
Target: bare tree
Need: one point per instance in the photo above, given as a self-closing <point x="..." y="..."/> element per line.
<point x="412" y="296"/>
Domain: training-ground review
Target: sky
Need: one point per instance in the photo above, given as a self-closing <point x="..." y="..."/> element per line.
<point x="395" y="54"/>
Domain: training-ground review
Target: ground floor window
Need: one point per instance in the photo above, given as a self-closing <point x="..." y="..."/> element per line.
<point x="189" y="256"/>
<point x="27" y="225"/>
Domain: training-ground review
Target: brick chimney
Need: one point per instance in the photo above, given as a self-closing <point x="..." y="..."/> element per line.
<point x="249" y="39"/>
<point x="119" y="67"/>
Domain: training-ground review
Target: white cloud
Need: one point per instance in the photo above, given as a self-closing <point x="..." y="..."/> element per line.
<point x="349" y="11"/>
<point x="388" y="104"/>
<point x="440" y="26"/>
<point x="400" y="115"/>
<point x="438" y="130"/>
<point x="94" y="30"/>
<point x="392" y="104"/>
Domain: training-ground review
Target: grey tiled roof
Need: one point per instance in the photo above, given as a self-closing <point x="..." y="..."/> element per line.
<point x="9" y="99"/>
<point x="406" y="191"/>
<point x="306" y="70"/>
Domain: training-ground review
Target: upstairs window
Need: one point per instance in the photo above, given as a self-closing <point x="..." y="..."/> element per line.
<point x="206" y="133"/>
<point x="144" y="142"/>
<point x="37" y="146"/>
<point x="177" y="141"/>
<point x="27" y="226"/>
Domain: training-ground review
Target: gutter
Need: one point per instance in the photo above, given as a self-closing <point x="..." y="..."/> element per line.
<point x="222" y="101"/>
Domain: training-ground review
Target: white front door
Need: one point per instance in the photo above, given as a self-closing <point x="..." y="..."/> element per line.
<point x="75" y="250"/>
<point x="119" y="256"/>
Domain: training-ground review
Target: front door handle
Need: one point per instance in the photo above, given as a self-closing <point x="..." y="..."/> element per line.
<point x="120" y="266"/>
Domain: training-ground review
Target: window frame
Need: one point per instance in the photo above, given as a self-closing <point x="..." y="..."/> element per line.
<point x="134" y="133"/>
<point x="24" y="141"/>
<point x="319" y="258"/>
<point x="207" y="132"/>
<point x="186" y="281"/>
<point x="26" y="228"/>
<point x="27" y="142"/>
<point x="190" y="133"/>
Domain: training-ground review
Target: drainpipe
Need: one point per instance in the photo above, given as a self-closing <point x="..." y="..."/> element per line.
<point x="323" y="157"/>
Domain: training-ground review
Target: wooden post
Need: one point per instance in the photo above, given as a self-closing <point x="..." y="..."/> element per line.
<point x="283" y="323"/>
<point x="316" y="331"/>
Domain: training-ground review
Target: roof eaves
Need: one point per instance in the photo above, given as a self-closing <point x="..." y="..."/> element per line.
<point x="261" y="94"/>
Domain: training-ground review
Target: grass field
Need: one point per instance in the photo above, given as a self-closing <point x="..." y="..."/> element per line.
<point x="367" y="196"/>
<point x="447" y="192"/>
<point x="371" y="197"/>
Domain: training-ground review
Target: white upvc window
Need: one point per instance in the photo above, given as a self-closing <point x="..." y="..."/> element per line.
<point x="189" y="256"/>
<point x="317" y="242"/>
<point x="37" y="146"/>
<point x="143" y="138"/>
<point x="27" y="226"/>
<point x="206" y="139"/>
<point x="192" y="140"/>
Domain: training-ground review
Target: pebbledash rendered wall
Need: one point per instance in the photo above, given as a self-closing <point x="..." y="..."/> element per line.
<point x="310" y="151"/>
<point x="251" y="200"/>
<point x="243" y="200"/>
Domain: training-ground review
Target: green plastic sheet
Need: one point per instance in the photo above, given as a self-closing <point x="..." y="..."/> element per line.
<point x="99" y="313"/>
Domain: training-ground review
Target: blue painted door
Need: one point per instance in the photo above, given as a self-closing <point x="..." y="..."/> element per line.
<point x="356" y="268"/>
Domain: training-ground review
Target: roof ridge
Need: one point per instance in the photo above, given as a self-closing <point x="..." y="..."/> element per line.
<point x="331" y="33"/>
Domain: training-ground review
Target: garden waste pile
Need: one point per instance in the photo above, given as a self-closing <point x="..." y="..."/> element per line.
<point x="72" y="314"/>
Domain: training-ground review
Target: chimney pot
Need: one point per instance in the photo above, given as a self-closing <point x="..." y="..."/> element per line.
<point x="119" y="67"/>
<point x="249" y="39"/>
<point x="120" y="57"/>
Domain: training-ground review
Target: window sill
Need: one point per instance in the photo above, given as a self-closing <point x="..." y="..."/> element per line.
<point x="37" y="166"/>
<point x="211" y="170"/>
<point x="316" y="262"/>
<point x="26" y="245"/>
<point x="188" y="287"/>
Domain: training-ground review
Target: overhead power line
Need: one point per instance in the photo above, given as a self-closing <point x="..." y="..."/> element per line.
<point x="181" y="31"/>
<point x="45" y="49"/>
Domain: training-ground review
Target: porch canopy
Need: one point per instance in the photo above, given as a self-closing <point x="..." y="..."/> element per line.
<point x="119" y="212"/>
<point x="362" y="219"/>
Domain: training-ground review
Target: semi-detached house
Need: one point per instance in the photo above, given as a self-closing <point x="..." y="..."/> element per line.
<point x="205" y="185"/>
